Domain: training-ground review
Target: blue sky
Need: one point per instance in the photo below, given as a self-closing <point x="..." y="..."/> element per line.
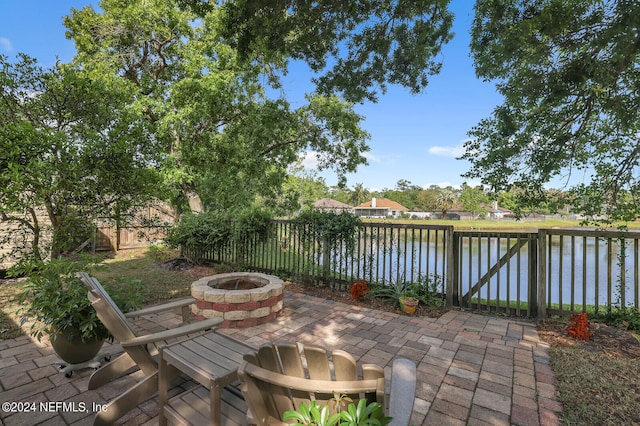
<point x="413" y="137"/>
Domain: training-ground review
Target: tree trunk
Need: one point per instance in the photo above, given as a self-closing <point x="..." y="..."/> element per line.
<point x="35" y="228"/>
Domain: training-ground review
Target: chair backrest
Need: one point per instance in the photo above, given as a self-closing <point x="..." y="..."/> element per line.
<point x="94" y="287"/>
<point x="112" y="318"/>
<point x="278" y="378"/>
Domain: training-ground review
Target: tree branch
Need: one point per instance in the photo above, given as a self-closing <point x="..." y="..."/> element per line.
<point x="278" y="146"/>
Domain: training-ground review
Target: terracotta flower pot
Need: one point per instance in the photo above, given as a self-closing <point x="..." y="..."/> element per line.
<point x="408" y="305"/>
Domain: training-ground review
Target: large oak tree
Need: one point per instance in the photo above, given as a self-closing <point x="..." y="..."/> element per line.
<point x="569" y="71"/>
<point x="208" y="78"/>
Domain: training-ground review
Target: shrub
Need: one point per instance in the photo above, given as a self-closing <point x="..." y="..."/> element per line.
<point x="203" y="231"/>
<point x="359" y="289"/>
<point x="252" y="223"/>
<point x="579" y="326"/>
<point x="72" y="232"/>
<point x="429" y="290"/>
<point x="334" y="228"/>
<point x="215" y="230"/>
<point x="627" y="318"/>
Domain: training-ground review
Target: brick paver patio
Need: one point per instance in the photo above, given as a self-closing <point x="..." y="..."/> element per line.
<point x="472" y="369"/>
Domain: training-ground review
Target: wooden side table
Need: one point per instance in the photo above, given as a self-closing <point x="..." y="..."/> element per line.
<point x="212" y="359"/>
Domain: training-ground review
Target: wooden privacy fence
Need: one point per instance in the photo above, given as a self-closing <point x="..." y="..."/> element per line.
<point x="550" y="271"/>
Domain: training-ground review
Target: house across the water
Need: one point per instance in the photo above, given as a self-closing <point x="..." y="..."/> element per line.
<point x="380" y="207"/>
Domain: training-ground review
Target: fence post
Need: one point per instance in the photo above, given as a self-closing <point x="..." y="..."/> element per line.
<point x="451" y="278"/>
<point x="541" y="282"/>
<point x="532" y="297"/>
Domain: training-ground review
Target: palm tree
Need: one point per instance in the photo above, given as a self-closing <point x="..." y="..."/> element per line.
<point x="358" y="194"/>
<point x="445" y="200"/>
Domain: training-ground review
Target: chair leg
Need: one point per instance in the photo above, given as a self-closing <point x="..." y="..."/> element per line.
<point x="127" y="401"/>
<point x="111" y="371"/>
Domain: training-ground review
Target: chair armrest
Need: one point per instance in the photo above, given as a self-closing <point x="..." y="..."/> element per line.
<point x="178" y="303"/>
<point x="173" y="333"/>
<point x="403" y="391"/>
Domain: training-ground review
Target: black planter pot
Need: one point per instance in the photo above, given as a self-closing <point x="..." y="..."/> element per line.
<point x="73" y="350"/>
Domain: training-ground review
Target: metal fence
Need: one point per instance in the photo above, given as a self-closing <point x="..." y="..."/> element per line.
<point x="519" y="273"/>
<point x="382" y="253"/>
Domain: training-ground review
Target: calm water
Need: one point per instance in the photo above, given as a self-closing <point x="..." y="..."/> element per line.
<point x="581" y="261"/>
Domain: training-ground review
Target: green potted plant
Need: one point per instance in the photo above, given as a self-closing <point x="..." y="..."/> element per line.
<point x="408" y="302"/>
<point x="56" y="301"/>
<point x="316" y="414"/>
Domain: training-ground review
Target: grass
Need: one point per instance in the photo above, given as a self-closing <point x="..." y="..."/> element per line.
<point x="161" y="283"/>
<point x="9" y="328"/>
<point x="594" y="387"/>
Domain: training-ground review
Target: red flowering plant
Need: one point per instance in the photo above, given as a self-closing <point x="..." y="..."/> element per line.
<point x="359" y="289"/>
<point x="579" y="326"/>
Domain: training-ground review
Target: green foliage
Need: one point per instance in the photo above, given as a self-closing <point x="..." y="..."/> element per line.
<point x="363" y="414"/>
<point x="72" y="150"/>
<point x="206" y="91"/>
<point x="160" y="252"/>
<point x="323" y="236"/>
<point x="568" y="71"/>
<point x="204" y="231"/>
<point x="301" y="188"/>
<point x="392" y="291"/>
<point x="215" y="126"/>
<point x="446" y="200"/>
<point x="214" y="230"/>
<point x="369" y="44"/>
<point x="312" y="414"/>
<point x="474" y="199"/>
<point x="56" y="300"/>
<point x="429" y="290"/>
<point x="337" y="229"/>
<point x="252" y="224"/>
<point x="360" y="415"/>
<point x="72" y="232"/>
<point x="627" y="318"/>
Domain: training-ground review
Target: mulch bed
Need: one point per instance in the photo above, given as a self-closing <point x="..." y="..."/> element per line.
<point x="366" y="302"/>
<point x="609" y="340"/>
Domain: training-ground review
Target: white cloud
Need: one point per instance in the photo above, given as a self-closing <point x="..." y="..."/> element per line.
<point x="310" y="160"/>
<point x="5" y="44"/>
<point x="447" y="151"/>
<point x="372" y="158"/>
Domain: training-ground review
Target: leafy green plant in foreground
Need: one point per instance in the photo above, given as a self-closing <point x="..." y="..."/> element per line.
<point x="56" y="300"/>
<point x="360" y="415"/>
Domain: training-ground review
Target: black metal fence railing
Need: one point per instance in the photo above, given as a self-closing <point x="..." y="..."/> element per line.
<point x="520" y="273"/>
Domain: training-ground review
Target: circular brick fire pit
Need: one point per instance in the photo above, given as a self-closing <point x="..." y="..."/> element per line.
<point x="242" y="299"/>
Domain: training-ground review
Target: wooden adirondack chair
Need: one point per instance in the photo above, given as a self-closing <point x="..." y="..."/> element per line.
<point x="139" y="352"/>
<point x="183" y="304"/>
<point x="125" y="364"/>
<point x="278" y="378"/>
